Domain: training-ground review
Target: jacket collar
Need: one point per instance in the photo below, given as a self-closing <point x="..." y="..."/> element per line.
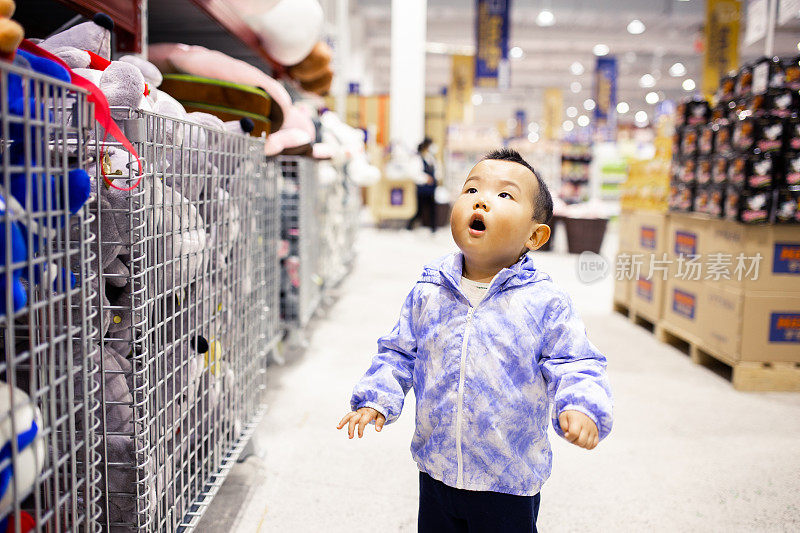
<point x="447" y="271"/>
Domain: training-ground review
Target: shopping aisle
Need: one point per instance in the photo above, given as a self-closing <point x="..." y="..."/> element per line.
<point x="687" y="451"/>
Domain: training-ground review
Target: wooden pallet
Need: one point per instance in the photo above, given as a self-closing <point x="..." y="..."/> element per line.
<point x="745" y="376"/>
<point x="636" y="316"/>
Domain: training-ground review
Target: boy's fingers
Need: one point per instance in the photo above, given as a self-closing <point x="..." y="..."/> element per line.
<point x="564" y="423"/>
<point x="379" y="422"/>
<point x="344" y="419"/>
<point x="364" y="421"/>
<point x="352" y="426"/>
<point x="583" y="439"/>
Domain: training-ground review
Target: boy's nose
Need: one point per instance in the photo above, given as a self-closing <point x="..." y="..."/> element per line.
<point x="480" y="204"/>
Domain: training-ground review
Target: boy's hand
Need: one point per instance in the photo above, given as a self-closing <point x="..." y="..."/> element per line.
<point x="579" y="429"/>
<point x="361" y="418"/>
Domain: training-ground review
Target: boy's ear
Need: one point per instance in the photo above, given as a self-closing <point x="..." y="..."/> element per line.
<point x="540" y="235"/>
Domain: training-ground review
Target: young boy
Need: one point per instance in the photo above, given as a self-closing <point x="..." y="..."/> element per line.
<point x="489" y="343"/>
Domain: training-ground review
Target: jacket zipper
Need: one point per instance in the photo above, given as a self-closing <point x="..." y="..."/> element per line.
<point x="459" y="414"/>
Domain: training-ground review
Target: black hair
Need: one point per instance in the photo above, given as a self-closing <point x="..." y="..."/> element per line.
<point x="543" y="203"/>
<point x="426" y="142"/>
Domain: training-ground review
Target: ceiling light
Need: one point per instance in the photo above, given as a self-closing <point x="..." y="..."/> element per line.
<point x="477" y="99"/>
<point x="651" y="98"/>
<point x="516" y="53"/>
<point x="635" y="27"/>
<point x="623" y="108"/>
<point x="600" y="49"/>
<point x="583" y="121"/>
<point x="641" y="117"/>
<point x="798" y="47"/>
<point x="677" y="70"/>
<point x="688" y="84"/>
<point x="647" y="81"/>
<point x="575" y="87"/>
<point x="533" y="127"/>
<point x="533" y="137"/>
<point x="577" y="68"/>
<point x="572" y="112"/>
<point x="568" y="125"/>
<point x="589" y="104"/>
<point x="545" y="18"/>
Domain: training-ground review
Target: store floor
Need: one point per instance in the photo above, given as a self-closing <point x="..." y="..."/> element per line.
<point x="687" y="452"/>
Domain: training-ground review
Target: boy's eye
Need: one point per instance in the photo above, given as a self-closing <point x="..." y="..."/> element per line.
<point x="505" y="195"/>
<point x="471" y="190"/>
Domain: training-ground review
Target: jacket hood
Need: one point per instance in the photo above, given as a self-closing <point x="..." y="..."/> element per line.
<point x="447" y="270"/>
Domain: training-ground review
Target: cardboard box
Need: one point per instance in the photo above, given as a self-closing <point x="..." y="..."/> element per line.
<point x="687" y="235"/>
<point x="779" y="249"/>
<point x="647" y="293"/>
<point x="622" y="291"/>
<point x="649" y="233"/>
<point x="753" y="326"/>
<point x="682" y="307"/>
<point x="627" y="222"/>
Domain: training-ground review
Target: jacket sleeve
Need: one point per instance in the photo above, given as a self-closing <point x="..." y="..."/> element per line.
<point x="390" y="376"/>
<point x="574" y="369"/>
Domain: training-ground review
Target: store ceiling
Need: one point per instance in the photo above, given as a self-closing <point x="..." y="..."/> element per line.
<point x="673" y="34"/>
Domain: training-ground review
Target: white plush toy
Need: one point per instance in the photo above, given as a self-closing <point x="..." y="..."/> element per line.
<point x="29" y="462"/>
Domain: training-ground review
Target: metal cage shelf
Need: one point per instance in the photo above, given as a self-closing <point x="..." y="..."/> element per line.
<point x="48" y="406"/>
<point x="301" y="283"/>
<point x="189" y="314"/>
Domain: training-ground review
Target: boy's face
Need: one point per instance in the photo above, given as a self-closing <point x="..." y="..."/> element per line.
<point x="492" y="219"/>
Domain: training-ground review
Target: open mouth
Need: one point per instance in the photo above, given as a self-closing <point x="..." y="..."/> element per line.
<point x="476" y="224"/>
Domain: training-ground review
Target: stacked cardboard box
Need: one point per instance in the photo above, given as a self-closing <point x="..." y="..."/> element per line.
<point x="745" y="304"/>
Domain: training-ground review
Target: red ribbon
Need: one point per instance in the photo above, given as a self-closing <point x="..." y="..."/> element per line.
<point x="102" y="110"/>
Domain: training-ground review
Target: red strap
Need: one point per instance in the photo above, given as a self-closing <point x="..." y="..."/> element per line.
<point x="97" y="62"/>
<point x="102" y="110"/>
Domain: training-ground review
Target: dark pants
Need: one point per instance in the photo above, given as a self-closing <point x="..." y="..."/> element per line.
<point x="443" y="509"/>
<point x="425" y="203"/>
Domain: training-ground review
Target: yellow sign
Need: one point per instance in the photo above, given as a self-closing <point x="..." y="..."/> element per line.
<point x="722" y="42"/>
<point x="553" y="111"/>
<point x="459" y="94"/>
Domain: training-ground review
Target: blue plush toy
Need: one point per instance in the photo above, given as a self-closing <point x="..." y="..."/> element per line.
<point x="37" y="193"/>
<point x="18" y="254"/>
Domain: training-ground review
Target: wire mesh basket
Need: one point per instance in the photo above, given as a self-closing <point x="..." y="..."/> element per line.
<point x="300" y="230"/>
<point x="188" y="252"/>
<point x="48" y="407"/>
<point x="338" y="223"/>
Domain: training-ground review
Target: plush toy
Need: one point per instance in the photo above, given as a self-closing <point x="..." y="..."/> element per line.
<point x="22" y="472"/>
<point x="18" y="254"/>
<point x="11" y="33"/>
<point x="296" y="130"/>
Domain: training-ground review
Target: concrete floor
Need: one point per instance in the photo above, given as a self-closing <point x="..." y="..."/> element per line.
<point x="687" y="452"/>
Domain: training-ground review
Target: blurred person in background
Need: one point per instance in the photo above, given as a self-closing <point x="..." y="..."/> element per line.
<point x="426" y="184"/>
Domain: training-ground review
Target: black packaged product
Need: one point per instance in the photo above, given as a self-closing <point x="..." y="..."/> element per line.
<point x="737" y="169"/>
<point x="748" y="206"/>
<point x="791" y="174"/>
<point x="692" y="113"/>
<point x="763" y="171"/>
<point x="768" y="73"/>
<point x="705" y="139"/>
<point x="782" y="103"/>
<point x="681" y="197"/>
<point x="727" y="88"/>
<point x="770" y="131"/>
<point x="676" y="142"/>
<point x="716" y="201"/>
<point x="722" y="138"/>
<point x="701" y="196"/>
<point x="791" y="73"/>
<point x="744" y="134"/>
<point x="689" y="136"/>
<point x="719" y="169"/>
<point x="744" y="81"/>
<point x="756" y="105"/>
<point x="703" y="171"/>
<point x="787" y="206"/>
<point x="793" y="134"/>
<point x="686" y="169"/>
<point x="740" y="109"/>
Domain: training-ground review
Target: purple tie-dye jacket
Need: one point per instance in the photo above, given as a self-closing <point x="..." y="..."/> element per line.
<point x="484" y="377"/>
